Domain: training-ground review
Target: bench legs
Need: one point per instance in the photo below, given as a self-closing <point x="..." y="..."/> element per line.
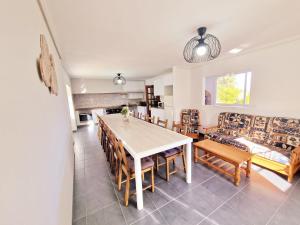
<point x="248" y="169"/>
<point x="237" y="175"/>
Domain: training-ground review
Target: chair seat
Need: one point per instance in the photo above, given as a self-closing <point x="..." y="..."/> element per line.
<point x="195" y="136"/>
<point x="169" y="152"/>
<point x="147" y="162"/>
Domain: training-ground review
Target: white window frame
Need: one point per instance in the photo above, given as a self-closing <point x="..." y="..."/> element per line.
<point x="245" y="89"/>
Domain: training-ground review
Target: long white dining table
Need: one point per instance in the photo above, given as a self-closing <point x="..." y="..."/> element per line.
<point x="142" y="139"/>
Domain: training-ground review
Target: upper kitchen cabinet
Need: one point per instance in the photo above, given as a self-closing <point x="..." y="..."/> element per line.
<point x="99" y="86"/>
<point x="134" y="86"/>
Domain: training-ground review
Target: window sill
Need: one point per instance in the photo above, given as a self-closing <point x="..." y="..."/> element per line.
<point x="229" y="106"/>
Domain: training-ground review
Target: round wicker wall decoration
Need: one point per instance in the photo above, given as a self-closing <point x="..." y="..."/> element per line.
<point x="47" y="67"/>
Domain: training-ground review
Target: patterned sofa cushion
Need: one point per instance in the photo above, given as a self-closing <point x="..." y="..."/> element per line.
<point x="235" y="124"/>
<point x="227" y="140"/>
<point x="259" y="129"/>
<point x="245" y="125"/>
<point x="284" y="133"/>
<point x="231" y="121"/>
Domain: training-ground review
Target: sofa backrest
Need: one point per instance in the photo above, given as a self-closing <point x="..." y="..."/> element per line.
<point x="284" y="133"/>
<point x="279" y="132"/>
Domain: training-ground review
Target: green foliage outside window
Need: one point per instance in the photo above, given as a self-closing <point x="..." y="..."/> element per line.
<point x="230" y="90"/>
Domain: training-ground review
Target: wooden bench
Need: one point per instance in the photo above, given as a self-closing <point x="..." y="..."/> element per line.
<point x="223" y="158"/>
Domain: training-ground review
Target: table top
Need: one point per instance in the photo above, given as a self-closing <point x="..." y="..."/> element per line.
<point x="141" y="138"/>
<point x="224" y="151"/>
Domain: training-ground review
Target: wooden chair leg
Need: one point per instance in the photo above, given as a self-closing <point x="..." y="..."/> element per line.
<point x="195" y="154"/>
<point x="117" y="171"/>
<point x="127" y="189"/>
<point x="120" y="174"/>
<point x="152" y="179"/>
<point x="143" y="176"/>
<point x="183" y="162"/>
<point x="157" y="163"/>
<point x="167" y="170"/>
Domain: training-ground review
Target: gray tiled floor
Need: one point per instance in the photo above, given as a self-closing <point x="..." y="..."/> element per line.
<point x="211" y="199"/>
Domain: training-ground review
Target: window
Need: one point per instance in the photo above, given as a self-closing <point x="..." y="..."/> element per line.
<point x="231" y="89"/>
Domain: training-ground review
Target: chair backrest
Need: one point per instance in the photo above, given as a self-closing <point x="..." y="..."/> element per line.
<point x="149" y="119"/>
<point x="162" y="123"/>
<point x="121" y="154"/>
<point x="191" y="119"/>
<point x="179" y="128"/>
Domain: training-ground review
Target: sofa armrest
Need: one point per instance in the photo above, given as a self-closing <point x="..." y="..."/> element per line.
<point x="209" y="129"/>
<point x="295" y="156"/>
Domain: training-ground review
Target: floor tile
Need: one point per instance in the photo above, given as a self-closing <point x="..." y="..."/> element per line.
<point x="179" y="213"/>
<point x="81" y="221"/>
<point x="220" y="187"/>
<point x="79" y="208"/>
<point x="254" y="210"/>
<point x="154" y="219"/>
<point x="201" y="200"/>
<point x="225" y="215"/>
<point x="132" y="214"/>
<point x="110" y="215"/>
<point x="287" y="214"/>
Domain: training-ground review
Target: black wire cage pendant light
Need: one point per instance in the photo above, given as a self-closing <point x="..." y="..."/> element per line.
<point x="119" y="80"/>
<point x="201" y="48"/>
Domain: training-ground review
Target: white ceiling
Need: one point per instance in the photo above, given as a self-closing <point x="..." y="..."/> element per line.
<point x="143" y="38"/>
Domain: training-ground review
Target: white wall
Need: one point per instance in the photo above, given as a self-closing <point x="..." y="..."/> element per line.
<point x="83" y="86"/>
<point x="181" y="90"/>
<point x="36" y="163"/>
<point x="275" y="82"/>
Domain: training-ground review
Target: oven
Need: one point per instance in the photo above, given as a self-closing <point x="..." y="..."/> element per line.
<point x="85" y="117"/>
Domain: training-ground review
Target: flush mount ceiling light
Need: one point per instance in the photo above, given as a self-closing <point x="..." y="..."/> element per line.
<point x="203" y="47"/>
<point x="119" y="80"/>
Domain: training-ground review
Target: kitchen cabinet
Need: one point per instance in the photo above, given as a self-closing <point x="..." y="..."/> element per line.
<point x="142" y="110"/>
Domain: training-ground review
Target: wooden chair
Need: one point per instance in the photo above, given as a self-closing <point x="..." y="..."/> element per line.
<point x="162" y="123"/>
<point x="171" y="155"/>
<point x="112" y="152"/>
<point x="143" y="116"/>
<point x="104" y="137"/>
<point x="100" y="129"/>
<point x="126" y="167"/>
<point x="191" y="119"/>
<point x="150" y="119"/>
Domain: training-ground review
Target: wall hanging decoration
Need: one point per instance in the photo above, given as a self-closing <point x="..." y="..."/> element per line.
<point x="47" y="67"/>
<point x="201" y="48"/>
<point x="119" y="80"/>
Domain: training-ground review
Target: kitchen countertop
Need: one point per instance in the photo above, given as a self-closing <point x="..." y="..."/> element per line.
<point x="157" y="107"/>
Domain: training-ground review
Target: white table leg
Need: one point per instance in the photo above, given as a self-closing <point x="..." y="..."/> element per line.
<point x="188" y="153"/>
<point x="138" y="183"/>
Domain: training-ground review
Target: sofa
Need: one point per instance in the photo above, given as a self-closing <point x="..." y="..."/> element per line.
<point x="274" y="142"/>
